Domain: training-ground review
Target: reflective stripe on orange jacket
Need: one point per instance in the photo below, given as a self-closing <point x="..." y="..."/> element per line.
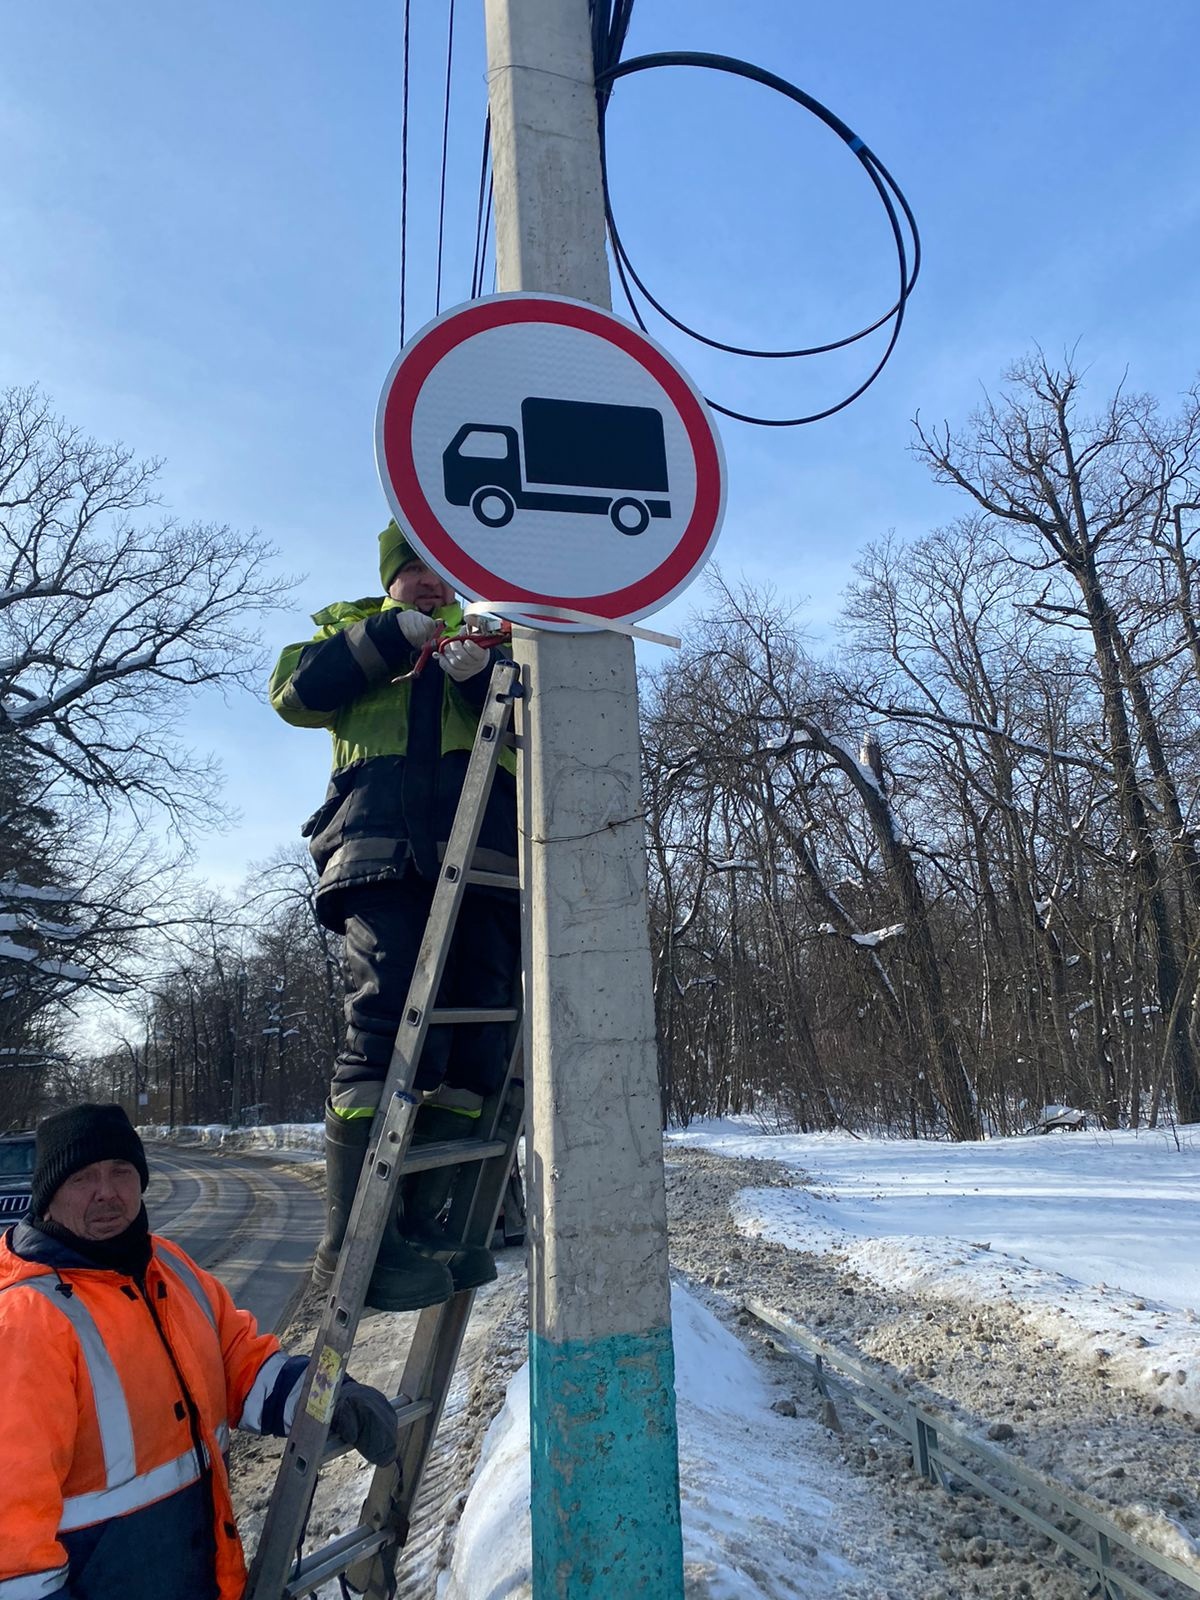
<point x="115" y="1408"/>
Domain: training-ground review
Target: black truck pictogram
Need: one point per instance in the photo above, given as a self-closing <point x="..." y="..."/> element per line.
<point x="572" y="444"/>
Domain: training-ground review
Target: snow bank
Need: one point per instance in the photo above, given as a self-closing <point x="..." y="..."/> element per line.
<point x="1093" y="1238"/>
<point x="756" y="1506"/>
<point x="300" y="1140"/>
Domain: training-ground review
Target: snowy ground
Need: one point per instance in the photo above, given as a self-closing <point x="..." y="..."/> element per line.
<point x="1049" y="1283"/>
<point x="289" y="1141"/>
<point x="1013" y="1282"/>
<point x="748" y="1529"/>
<point x="1096" y="1236"/>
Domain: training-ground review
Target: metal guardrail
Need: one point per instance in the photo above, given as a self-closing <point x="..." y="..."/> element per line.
<point x="941" y="1451"/>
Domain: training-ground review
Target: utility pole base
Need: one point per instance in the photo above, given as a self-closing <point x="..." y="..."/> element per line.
<point x="607" y="1446"/>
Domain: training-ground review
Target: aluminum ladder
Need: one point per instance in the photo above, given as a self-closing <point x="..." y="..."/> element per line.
<point x="367" y="1555"/>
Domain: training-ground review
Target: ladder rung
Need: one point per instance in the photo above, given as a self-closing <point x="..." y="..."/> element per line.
<point x="451" y="1153"/>
<point x="407" y="1411"/>
<point x="451" y="1016"/>
<point x="335" y="1557"/>
<point x="493" y="880"/>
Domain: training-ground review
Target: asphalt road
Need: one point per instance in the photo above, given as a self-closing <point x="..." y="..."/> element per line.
<point x="250" y="1221"/>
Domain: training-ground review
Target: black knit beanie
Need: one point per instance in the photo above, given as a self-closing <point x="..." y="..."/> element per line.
<point x="72" y="1139"/>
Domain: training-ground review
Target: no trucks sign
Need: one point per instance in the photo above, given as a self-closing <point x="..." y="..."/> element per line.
<point x="541" y="451"/>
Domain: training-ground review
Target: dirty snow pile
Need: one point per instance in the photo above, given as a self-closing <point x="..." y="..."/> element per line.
<point x="755" y="1502"/>
<point x="1095" y="1235"/>
<point x="296" y="1141"/>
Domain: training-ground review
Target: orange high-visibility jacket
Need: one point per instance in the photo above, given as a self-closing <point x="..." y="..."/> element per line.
<point x="116" y="1402"/>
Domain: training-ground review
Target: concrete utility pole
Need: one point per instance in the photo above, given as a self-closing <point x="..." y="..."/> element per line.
<point x="605" y="1454"/>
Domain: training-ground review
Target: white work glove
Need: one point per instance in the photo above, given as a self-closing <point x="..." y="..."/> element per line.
<point x="460" y="659"/>
<point x="417" y="628"/>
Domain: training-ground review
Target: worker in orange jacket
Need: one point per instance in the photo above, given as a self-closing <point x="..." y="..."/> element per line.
<point x="123" y="1366"/>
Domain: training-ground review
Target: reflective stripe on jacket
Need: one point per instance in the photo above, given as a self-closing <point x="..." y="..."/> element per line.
<point x="116" y="1407"/>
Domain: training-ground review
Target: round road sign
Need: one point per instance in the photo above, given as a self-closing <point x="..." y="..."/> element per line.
<point x="540" y="450"/>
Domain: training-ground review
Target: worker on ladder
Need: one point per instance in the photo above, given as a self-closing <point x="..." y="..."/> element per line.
<point x="400" y="688"/>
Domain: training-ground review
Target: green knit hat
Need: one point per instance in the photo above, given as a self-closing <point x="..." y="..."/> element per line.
<point x="394" y="552"/>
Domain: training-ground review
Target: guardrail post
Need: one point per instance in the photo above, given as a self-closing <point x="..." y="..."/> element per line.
<point x="1109" y="1588"/>
<point x="926" y="1444"/>
<point x="827" y="1415"/>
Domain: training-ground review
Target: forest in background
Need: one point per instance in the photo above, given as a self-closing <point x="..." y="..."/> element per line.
<point x="928" y="880"/>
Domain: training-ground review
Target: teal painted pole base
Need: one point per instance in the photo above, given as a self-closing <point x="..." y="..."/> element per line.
<point x="605" y="1468"/>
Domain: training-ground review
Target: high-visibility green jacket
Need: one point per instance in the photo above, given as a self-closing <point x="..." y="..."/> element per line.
<point x="399" y="750"/>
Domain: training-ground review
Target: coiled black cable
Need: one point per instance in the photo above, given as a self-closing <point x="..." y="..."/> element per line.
<point x="610" y="22"/>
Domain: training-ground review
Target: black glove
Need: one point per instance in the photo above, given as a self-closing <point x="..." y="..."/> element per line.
<point x="363" y="1418"/>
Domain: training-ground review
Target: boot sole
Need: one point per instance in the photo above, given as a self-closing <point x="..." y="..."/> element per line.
<point x="385" y="1295"/>
<point x="478" y="1268"/>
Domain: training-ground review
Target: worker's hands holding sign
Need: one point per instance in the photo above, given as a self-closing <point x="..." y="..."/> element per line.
<point x="460" y="659"/>
<point x="363" y="1418"/>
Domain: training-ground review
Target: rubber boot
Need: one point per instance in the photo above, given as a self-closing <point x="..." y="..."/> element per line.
<point x="404" y="1279"/>
<point x="425" y="1195"/>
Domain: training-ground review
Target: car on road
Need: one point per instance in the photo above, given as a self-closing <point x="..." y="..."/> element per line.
<point x="16" y="1173"/>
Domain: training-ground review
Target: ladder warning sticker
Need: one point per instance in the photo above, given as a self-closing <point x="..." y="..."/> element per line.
<point x="324" y="1385"/>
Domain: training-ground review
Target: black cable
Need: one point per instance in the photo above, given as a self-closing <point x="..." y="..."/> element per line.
<point x="600" y="26"/>
<point x="485" y="193"/>
<point x="882" y="180"/>
<point x="488" y="212"/>
<point x="404" y="173"/>
<point x="445" y="150"/>
<point x="610" y="24"/>
<point x="618" y="28"/>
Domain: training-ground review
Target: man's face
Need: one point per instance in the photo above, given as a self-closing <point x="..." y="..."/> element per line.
<point x="99" y="1201"/>
<point x="417" y="585"/>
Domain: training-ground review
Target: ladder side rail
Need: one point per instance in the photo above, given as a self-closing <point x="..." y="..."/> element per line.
<point x="475" y="1204"/>
<point x="452" y="883"/>
<point x="433" y="1353"/>
<point x="392" y="1496"/>
<point x="375" y="1197"/>
<point x="368" y="1556"/>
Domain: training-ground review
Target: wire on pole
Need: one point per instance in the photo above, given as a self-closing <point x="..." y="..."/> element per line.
<point x="483" y="211"/>
<point x="445" y="152"/>
<point x="895" y="205"/>
<point x="404" y="171"/>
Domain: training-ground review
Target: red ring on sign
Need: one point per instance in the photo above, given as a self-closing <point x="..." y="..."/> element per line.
<point x="409" y="376"/>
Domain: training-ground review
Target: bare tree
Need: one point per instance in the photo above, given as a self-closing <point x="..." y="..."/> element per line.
<point x="1080" y="498"/>
<point x="754" y="738"/>
<point x="112" y="614"/>
<point x="239" y="1019"/>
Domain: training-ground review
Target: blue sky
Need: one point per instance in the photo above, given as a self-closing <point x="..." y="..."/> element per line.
<point x="200" y="209"/>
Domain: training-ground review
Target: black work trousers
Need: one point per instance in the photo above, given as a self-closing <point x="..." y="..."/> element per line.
<point x="384" y="924"/>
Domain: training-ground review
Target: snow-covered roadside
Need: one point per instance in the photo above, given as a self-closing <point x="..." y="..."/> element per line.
<point x="768" y="1510"/>
<point x="290" y="1141"/>
<point x="764" y="1513"/>
<point x="981" y="1365"/>
<point x="1095" y="1238"/>
<point x="773" y="1505"/>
